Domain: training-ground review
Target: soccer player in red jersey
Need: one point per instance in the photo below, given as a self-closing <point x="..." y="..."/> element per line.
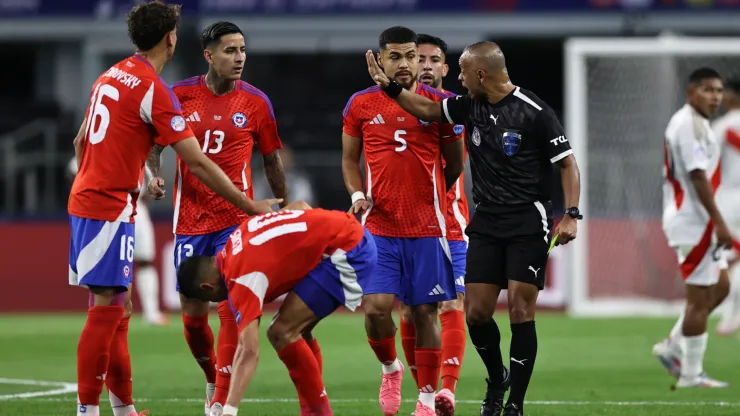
<point x="403" y="205"/>
<point x="331" y="256"/>
<point x="130" y="108"/>
<point x="432" y="69"/>
<point x="230" y="118"/>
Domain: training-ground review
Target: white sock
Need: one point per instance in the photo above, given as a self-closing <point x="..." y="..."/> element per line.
<point x="693" y="355"/>
<point x="88" y="410"/>
<point x="392" y="367"/>
<point x="676" y="334"/>
<point x="427" y="399"/>
<point x="119" y="408"/>
<point x="147" y="284"/>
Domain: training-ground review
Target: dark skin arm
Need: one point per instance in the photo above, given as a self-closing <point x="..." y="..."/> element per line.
<point x="454" y="155"/>
<point x="275" y="174"/>
<point x="570" y="178"/>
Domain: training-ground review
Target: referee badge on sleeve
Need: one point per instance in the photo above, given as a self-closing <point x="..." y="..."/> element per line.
<point x="475" y="137"/>
<point x="511" y="141"/>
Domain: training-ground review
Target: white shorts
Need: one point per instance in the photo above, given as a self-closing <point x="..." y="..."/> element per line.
<point x="701" y="266"/>
<point x="144" y="246"/>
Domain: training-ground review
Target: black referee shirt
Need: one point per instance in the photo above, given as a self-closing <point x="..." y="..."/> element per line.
<point x="512" y="145"/>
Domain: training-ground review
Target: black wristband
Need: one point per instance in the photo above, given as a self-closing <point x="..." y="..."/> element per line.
<point x="393" y="90"/>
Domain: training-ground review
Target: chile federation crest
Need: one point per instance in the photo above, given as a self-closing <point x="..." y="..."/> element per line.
<point x="511" y="141"/>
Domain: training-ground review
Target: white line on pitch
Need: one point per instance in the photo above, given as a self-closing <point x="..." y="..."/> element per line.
<point x="33" y="382"/>
<point x="64" y="388"/>
<point x="529" y="402"/>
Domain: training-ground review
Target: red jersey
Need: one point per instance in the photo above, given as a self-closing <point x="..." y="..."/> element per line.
<point x="457" y="202"/>
<point x="269" y="254"/>
<point x="130" y="109"/>
<point x="405" y="181"/>
<point x="227" y="127"/>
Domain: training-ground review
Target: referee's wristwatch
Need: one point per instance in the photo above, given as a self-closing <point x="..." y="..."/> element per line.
<point x="574" y="213"/>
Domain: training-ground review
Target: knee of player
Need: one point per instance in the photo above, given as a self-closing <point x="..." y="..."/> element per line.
<point x="424" y="314"/>
<point x="376" y="309"/>
<point x="520" y="313"/>
<point x="406" y="313"/>
<point x="451" y="305"/>
<point x="281" y="334"/>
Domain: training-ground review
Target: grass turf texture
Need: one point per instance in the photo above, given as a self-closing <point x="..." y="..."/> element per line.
<point x="584" y="366"/>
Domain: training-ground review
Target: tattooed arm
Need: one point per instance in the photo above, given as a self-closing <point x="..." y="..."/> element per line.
<point x="155" y="185"/>
<point x="275" y="174"/>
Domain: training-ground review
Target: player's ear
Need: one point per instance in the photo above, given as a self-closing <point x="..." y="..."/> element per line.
<point x="445" y="70"/>
<point x="171" y="38"/>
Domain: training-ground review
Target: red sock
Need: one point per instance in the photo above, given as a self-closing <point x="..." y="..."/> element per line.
<point x="316" y="350"/>
<point x="199" y="336"/>
<point x="408" y="342"/>
<point x="453" y="347"/>
<point x="428" y="363"/>
<point x="118" y="378"/>
<point x="385" y="349"/>
<point x="304" y="371"/>
<point x="93" y="351"/>
<point x="228" y="338"/>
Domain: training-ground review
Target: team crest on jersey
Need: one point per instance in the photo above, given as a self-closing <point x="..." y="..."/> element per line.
<point x="126" y="270"/>
<point x="178" y="123"/>
<point x="239" y="120"/>
<point x="458" y="129"/>
<point x="511" y="141"/>
<point x="475" y="136"/>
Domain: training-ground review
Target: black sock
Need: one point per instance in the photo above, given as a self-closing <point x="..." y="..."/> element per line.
<point x="523" y="355"/>
<point x="487" y="341"/>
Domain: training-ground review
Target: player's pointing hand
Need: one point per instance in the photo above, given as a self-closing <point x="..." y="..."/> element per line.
<point x="156" y="188"/>
<point x="376" y="73"/>
<point x="265" y="206"/>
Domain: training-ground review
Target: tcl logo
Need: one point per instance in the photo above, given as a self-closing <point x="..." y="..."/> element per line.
<point x="560" y="139"/>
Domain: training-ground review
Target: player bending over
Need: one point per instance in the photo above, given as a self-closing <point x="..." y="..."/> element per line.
<point x="230" y="118"/>
<point x="432" y="69"/>
<point x="727" y="131"/>
<point x="320" y="258"/>
<point x="694" y="227"/>
<point x="130" y="110"/>
<point x="403" y="205"/>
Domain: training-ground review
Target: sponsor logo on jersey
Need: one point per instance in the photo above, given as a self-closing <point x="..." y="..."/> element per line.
<point x="239" y="120"/>
<point x="511" y="142"/>
<point x="178" y="123"/>
<point x="458" y="129"/>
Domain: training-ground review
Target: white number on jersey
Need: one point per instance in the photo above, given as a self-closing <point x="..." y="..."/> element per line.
<point x="218" y="139"/>
<point x="127" y="248"/>
<point x="262" y="221"/>
<point x="398" y="136"/>
<point x="96" y="130"/>
<point x="188" y="252"/>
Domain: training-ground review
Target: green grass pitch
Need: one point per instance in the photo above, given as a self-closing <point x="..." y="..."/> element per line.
<point x="584" y="367"/>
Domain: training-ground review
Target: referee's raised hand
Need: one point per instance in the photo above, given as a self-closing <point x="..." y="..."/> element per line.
<point x="376" y="73"/>
<point x="566" y="230"/>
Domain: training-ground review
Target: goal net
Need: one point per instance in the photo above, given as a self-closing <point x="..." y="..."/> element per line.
<point x="620" y="94"/>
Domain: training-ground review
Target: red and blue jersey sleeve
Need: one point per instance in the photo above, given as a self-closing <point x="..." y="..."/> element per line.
<point x="268" y="139"/>
<point x="166" y="114"/>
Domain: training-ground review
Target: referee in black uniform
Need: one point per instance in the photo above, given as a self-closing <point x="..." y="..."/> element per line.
<point x="513" y="138"/>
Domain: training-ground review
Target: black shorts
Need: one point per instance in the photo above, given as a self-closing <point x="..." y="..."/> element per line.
<point x="509" y="244"/>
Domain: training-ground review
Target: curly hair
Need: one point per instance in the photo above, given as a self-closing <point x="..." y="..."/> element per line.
<point x="149" y="22"/>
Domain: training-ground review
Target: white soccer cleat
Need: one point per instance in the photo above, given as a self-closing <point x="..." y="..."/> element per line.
<point x="701" y="381"/>
<point x="210" y="392"/>
<point x="217" y="409"/>
<point x="669" y="356"/>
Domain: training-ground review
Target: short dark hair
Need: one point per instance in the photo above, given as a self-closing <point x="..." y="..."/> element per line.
<point x="189" y="275"/>
<point x="149" y="23"/>
<point x="397" y="34"/>
<point x="424" y="39"/>
<point x="700" y="74"/>
<point x="733" y="84"/>
<point x="213" y="33"/>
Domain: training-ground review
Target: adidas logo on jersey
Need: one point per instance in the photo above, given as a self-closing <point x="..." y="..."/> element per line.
<point x="378" y="120"/>
<point x="437" y="291"/>
<point x="452" y="361"/>
<point x="225" y="370"/>
<point x="460" y="281"/>
<point x="193" y="117"/>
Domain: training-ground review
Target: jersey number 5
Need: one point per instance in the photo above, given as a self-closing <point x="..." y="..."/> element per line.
<point x="218" y="139"/>
<point x="398" y="136"/>
<point x="96" y="130"/>
<point x="257" y="223"/>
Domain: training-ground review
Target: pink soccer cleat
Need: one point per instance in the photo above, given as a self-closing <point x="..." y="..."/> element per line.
<point x="422" y="410"/>
<point x="390" y="392"/>
<point x="144" y="413"/>
<point x="444" y="403"/>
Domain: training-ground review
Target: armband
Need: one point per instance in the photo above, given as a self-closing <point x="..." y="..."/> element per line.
<point x="358" y="196"/>
<point x="393" y="90"/>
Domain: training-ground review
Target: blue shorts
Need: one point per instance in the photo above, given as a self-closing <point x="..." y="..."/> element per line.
<point x="200" y="245"/>
<point x="416" y="270"/>
<point x="459" y="250"/>
<point x="339" y="279"/>
<point x="101" y="253"/>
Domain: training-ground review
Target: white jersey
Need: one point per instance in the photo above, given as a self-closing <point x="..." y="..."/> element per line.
<point x="690" y="144"/>
<point x="727" y="131"/>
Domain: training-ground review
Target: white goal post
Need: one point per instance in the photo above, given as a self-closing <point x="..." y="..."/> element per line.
<point x="619" y="95"/>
